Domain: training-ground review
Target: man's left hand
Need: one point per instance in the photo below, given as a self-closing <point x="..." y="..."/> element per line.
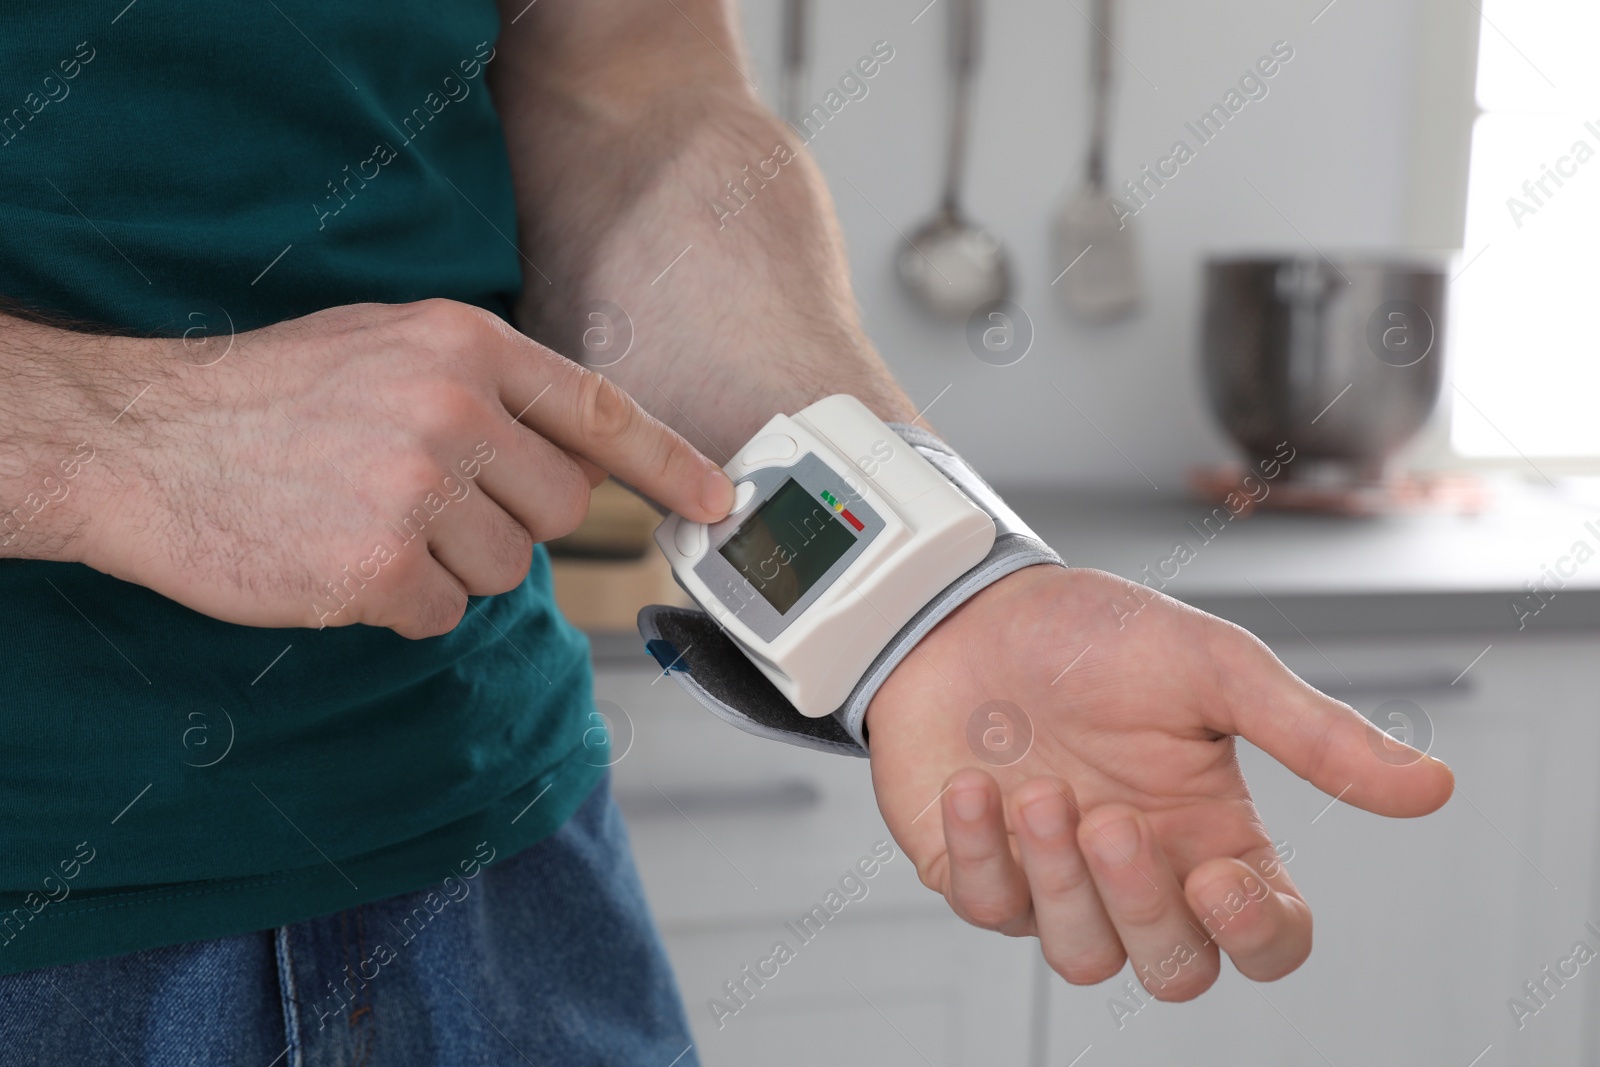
<point x="1123" y="829"/>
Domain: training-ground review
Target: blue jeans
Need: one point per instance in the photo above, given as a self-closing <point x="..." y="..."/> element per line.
<point x="545" y="957"/>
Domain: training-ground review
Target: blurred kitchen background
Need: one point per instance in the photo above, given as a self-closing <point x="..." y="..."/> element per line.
<point x="1433" y="578"/>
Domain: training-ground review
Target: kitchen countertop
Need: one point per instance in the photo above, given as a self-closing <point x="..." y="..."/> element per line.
<point x="1279" y="573"/>
<point x="1274" y="572"/>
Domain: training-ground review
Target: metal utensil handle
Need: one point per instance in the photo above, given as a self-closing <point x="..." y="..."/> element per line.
<point x="1100" y="85"/>
<point x="795" y="19"/>
<point x="963" y="59"/>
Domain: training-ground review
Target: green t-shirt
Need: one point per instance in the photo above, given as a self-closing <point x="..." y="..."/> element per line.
<point x="181" y="168"/>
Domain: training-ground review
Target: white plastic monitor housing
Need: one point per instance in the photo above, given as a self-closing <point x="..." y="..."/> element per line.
<point x="862" y="532"/>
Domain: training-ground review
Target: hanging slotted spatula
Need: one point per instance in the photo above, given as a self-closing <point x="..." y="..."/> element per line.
<point x="1099" y="279"/>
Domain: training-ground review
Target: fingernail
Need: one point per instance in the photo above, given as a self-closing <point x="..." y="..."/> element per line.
<point x="1045" y="818"/>
<point x="717" y="494"/>
<point x="970" y="804"/>
<point x="1114" y="843"/>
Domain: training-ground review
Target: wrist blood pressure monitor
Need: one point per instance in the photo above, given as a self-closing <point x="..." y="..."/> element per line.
<point x="848" y="540"/>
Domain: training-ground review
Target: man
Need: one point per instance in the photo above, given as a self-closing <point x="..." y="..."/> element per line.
<point x="296" y="758"/>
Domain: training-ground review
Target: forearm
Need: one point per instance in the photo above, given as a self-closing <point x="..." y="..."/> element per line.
<point x="60" y="395"/>
<point x="622" y="151"/>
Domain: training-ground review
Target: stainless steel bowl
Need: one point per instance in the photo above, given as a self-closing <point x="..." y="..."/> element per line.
<point x="1340" y="358"/>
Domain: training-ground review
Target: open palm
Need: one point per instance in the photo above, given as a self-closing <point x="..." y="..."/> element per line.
<point x="1057" y="759"/>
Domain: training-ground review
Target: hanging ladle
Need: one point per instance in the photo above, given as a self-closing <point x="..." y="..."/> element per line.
<point x="954" y="266"/>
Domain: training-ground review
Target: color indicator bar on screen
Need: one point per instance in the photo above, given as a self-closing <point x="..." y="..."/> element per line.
<point x="833" y="502"/>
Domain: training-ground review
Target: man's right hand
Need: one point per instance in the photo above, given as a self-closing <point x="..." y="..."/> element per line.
<point x="372" y="463"/>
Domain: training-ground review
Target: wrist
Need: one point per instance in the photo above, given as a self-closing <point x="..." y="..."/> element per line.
<point x="1000" y="618"/>
<point x="60" y="420"/>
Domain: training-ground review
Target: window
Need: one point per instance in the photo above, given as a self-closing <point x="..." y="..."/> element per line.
<point x="1526" y="300"/>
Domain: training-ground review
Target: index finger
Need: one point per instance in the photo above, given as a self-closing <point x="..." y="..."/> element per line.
<point x="591" y="417"/>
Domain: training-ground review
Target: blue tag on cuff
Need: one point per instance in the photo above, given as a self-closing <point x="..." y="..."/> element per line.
<point x="666" y="654"/>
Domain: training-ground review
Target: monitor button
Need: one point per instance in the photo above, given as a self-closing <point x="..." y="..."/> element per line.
<point x="744" y="492"/>
<point x="767" y="449"/>
<point x="690" y="537"/>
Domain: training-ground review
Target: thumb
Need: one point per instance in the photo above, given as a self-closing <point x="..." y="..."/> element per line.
<point x="1322" y="740"/>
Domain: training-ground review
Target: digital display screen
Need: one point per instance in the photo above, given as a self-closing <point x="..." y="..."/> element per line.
<point x="787" y="545"/>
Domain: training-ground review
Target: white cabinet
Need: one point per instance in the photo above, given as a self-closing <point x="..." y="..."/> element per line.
<point x="1425" y="928"/>
<point x="737" y="839"/>
<point x="893" y="990"/>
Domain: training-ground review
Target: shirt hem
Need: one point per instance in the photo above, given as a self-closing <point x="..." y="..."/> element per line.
<point x="139" y="920"/>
